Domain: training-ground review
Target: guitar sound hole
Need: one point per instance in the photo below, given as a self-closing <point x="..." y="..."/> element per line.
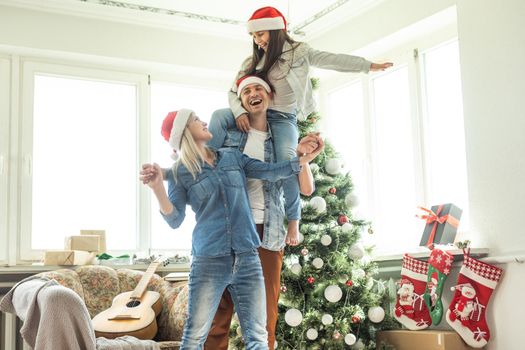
<point x="133" y="303"/>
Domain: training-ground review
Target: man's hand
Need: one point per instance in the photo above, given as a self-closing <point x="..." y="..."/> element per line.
<point x="307" y="158"/>
<point x="374" y="67"/>
<point x="308" y="144"/>
<point x="243" y="123"/>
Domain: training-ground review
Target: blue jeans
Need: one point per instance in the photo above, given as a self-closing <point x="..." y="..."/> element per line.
<point x="285" y="137"/>
<point x="242" y="275"/>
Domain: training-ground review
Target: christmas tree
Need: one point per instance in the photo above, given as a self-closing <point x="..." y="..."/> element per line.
<point x="330" y="298"/>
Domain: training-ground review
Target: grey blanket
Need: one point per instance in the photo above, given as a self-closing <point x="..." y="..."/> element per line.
<point x="55" y="317"/>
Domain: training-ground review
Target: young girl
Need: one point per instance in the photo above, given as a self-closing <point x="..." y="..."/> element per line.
<point x="224" y="242"/>
<point x="285" y="64"/>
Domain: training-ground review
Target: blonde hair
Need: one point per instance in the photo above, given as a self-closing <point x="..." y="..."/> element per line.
<point x="190" y="154"/>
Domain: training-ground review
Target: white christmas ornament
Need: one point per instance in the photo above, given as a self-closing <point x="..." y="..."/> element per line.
<point x="275" y="344"/>
<point x="359" y="345"/>
<point x="293" y="317"/>
<point x="333" y="293"/>
<point x="326" y="240"/>
<point x="296" y="268"/>
<point x="318" y="263"/>
<point x="312" y="334"/>
<point x="356" y="251"/>
<point x="314" y="167"/>
<point x="318" y="203"/>
<point x="300" y="239"/>
<point x="376" y="314"/>
<point x="327" y="319"/>
<point x="347" y="227"/>
<point x="350" y="339"/>
<point x="351" y="200"/>
<point x="239" y="331"/>
<point x="358" y="273"/>
<point x="333" y="166"/>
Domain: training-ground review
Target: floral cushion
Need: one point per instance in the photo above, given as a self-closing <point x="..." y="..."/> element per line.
<point x="98" y="285"/>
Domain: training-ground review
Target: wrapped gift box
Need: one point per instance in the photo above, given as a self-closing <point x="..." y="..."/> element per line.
<point x="419" y="340"/>
<point x="87" y="243"/>
<point x="68" y="257"/>
<point x="101" y="234"/>
<point x="442" y="223"/>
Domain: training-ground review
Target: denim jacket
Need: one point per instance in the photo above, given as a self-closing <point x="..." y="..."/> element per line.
<point x="219" y="199"/>
<point x="295" y="65"/>
<point x="274" y="234"/>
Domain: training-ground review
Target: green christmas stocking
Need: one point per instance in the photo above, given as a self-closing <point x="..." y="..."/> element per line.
<point x="439" y="265"/>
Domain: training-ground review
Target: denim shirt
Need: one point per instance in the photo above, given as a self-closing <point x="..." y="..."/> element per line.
<point x="219" y="199"/>
<point x="274" y="234"/>
<point x="295" y="64"/>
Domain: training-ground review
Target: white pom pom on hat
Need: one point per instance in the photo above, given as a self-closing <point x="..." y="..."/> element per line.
<point x="266" y="18"/>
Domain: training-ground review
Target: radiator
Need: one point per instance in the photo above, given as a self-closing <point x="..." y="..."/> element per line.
<point x="10" y="338"/>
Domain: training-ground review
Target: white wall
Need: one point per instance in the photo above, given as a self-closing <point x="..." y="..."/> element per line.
<point x="70" y="34"/>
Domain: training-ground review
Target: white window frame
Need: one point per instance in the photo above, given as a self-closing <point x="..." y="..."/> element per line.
<point x="5" y="104"/>
<point x="404" y="55"/>
<point x="29" y="69"/>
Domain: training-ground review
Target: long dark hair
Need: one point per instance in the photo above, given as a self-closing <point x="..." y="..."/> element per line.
<point x="274" y="51"/>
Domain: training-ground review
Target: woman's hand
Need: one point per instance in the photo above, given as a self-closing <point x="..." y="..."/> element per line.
<point x="151" y="175"/>
<point x="243" y="123"/>
<point x="307" y="158"/>
<point x="374" y="67"/>
<point x="308" y="144"/>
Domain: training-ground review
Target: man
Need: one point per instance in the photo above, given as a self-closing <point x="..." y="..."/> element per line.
<point x="266" y="203"/>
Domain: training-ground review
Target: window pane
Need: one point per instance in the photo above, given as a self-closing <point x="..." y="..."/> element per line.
<point x="4" y="138"/>
<point x="165" y="98"/>
<point x="394" y="187"/>
<point x="84" y="161"/>
<point x="446" y="134"/>
<point x="345" y="106"/>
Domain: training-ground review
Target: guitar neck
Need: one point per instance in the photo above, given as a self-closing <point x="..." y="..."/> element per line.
<point x="143" y="284"/>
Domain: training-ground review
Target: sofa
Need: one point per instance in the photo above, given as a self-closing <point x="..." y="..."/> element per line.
<point x="98" y="285"/>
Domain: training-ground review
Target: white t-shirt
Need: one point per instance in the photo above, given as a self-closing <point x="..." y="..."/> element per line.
<point x="254" y="148"/>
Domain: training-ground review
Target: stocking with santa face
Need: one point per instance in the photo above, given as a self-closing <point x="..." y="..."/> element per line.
<point x="466" y="314"/>
<point x="440" y="263"/>
<point x="411" y="310"/>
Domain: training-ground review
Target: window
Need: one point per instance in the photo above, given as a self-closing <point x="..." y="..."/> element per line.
<point x="4" y="153"/>
<point x="80" y="165"/>
<point x="445" y="131"/>
<point x="409" y="163"/>
<point x="166" y="97"/>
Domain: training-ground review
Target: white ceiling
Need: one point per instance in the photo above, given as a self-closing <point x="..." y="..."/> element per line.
<point x="307" y="19"/>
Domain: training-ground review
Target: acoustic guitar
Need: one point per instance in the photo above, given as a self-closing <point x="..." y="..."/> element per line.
<point x="132" y="313"/>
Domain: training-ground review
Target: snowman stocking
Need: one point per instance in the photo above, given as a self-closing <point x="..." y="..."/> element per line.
<point x="411" y="310"/>
<point x="466" y="314"/>
<point x="440" y="263"/>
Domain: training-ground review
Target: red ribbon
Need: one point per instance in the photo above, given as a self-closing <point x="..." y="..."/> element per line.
<point x="434" y="218"/>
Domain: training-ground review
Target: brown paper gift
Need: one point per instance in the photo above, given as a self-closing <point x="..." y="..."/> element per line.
<point x="101" y="234"/>
<point x="426" y="339"/>
<point x="88" y="243"/>
<point x="68" y="257"/>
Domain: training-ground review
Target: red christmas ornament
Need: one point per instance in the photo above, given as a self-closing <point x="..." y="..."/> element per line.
<point x="349" y="283"/>
<point x="310" y="280"/>
<point x="343" y="219"/>
<point x="332" y="190"/>
<point x="356" y="319"/>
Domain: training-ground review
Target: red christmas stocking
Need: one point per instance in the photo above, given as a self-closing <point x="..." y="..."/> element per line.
<point x="466" y="313"/>
<point x="411" y="310"/>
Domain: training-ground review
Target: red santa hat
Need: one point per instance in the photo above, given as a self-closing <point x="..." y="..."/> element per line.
<point x="173" y="127"/>
<point x="251" y="79"/>
<point x="266" y="18"/>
